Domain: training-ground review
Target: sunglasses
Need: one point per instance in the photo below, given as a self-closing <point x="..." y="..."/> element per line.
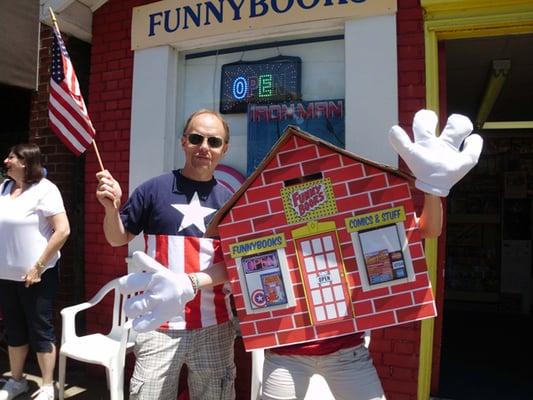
<point x="213" y="141"/>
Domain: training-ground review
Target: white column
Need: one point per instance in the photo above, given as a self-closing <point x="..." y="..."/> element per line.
<point x="371" y="87"/>
<point x="153" y="117"/>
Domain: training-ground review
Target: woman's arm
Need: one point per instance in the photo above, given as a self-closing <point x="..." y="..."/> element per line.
<point x="60" y="235"/>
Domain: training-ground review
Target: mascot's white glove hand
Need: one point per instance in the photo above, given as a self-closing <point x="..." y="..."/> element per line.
<point x="438" y="163"/>
<point x="164" y="296"/>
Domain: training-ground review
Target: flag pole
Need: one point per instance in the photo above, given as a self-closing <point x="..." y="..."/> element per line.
<point x="54" y="22"/>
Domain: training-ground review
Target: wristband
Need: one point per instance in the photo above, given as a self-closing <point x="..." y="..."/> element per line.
<point x="39" y="264"/>
<point x="195" y="282"/>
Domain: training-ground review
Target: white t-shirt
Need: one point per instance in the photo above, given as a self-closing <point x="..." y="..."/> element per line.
<point x="24" y="228"/>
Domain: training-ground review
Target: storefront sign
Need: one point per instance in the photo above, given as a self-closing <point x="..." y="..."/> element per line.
<point x="269" y="81"/>
<point x="172" y="21"/>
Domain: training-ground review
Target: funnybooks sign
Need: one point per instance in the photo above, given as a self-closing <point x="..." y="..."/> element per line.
<point x="321" y="243"/>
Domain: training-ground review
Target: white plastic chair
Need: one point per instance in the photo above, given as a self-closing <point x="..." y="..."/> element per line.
<point x="106" y="350"/>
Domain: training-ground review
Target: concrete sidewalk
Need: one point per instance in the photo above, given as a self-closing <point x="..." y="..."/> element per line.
<point x="81" y="383"/>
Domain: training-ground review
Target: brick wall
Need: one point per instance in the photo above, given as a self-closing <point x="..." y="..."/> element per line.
<point x="110" y="110"/>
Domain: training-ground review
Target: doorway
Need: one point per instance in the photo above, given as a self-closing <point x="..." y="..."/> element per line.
<point x="488" y="272"/>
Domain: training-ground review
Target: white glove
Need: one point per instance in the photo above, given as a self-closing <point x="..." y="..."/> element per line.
<point x="165" y="293"/>
<point x="437" y="162"/>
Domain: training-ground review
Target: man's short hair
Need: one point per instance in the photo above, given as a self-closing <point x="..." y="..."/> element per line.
<point x="207" y="111"/>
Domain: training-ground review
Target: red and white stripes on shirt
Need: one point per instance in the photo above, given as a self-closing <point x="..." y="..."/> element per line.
<point x="210" y="306"/>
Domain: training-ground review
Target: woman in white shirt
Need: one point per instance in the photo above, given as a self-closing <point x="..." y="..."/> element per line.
<point x="33" y="228"/>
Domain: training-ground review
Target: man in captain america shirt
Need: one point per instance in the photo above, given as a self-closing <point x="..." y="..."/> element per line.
<point x="172" y="211"/>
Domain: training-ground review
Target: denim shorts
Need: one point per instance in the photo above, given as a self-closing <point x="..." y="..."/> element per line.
<point x="28" y="313"/>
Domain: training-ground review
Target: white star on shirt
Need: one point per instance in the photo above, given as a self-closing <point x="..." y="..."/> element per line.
<point x="193" y="213"/>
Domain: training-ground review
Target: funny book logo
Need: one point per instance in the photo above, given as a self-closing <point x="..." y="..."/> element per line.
<point x="304" y="201"/>
<point x="309" y="201"/>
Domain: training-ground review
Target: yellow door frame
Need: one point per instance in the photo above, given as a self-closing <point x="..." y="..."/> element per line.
<point x="458" y="19"/>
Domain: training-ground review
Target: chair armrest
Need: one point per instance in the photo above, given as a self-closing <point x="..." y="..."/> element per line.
<point x="68" y="315"/>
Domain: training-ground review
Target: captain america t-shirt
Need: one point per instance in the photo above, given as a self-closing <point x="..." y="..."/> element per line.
<point x="172" y="204"/>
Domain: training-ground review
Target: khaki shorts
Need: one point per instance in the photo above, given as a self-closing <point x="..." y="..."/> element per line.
<point x="207" y="352"/>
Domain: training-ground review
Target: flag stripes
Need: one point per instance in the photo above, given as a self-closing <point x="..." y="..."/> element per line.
<point x="67" y="112"/>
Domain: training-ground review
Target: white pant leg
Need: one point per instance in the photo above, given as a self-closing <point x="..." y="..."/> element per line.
<point x="351" y="375"/>
<point x="286" y="377"/>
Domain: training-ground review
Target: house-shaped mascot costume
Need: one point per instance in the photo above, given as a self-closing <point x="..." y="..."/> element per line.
<point x="320" y="243"/>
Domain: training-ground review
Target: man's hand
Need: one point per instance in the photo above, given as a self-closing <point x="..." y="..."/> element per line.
<point x="164" y="296"/>
<point x="108" y="191"/>
<point x="438" y="163"/>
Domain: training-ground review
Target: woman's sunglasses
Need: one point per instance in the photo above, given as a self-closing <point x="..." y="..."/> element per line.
<point x="213" y="141"/>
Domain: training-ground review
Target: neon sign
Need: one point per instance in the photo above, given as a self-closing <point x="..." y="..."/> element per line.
<point x="266" y="81"/>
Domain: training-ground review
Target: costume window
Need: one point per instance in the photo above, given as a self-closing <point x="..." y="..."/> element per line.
<point x="381" y="248"/>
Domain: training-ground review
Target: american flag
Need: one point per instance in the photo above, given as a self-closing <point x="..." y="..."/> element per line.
<point x="66" y="109"/>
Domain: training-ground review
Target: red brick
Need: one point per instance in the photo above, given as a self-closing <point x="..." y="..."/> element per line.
<point x="341" y="327"/>
<point x="416" y="250"/>
<point x="250" y="211"/>
<point x="243" y="317"/>
<point x="404" y="347"/>
<point x="292" y="143"/>
<point x="400" y="386"/>
<point x="260" y="341"/>
<point x="392" y="302"/>
<point x="375" y="321"/>
<point x="347" y="173"/>
<point x="421" y="281"/>
<point x="363" y="307"/>
<point x="321" y="164"/>
<point x="274" y="325"/>
<point x="358" y="294"/>
<point x="347" y="250"/>
<point x="267" y="222"/>
<point x="340" y="190"/>
<point x="302" y="319"/>
<point x="247" y="328"/>
<point x="363" y="185"/>
<point x="239" y="302"/>
<point x="296" y="335"/>
<point x="308" y="152"/>
<point x="300" y="142"/>
<point x="264" y="192"/>
<point x="401" y="360"/>
<point x="423" y="296"/>
<point x="419" y="265"/>
<point x="354" y="202"/>
<point x="380" y="345"/>
<point x="282" y="174"/>
<point x="276" y="205"/>
<point x="416" y="312"/>
<point x="235" y="228"/>
<point x="389" y="194"/>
